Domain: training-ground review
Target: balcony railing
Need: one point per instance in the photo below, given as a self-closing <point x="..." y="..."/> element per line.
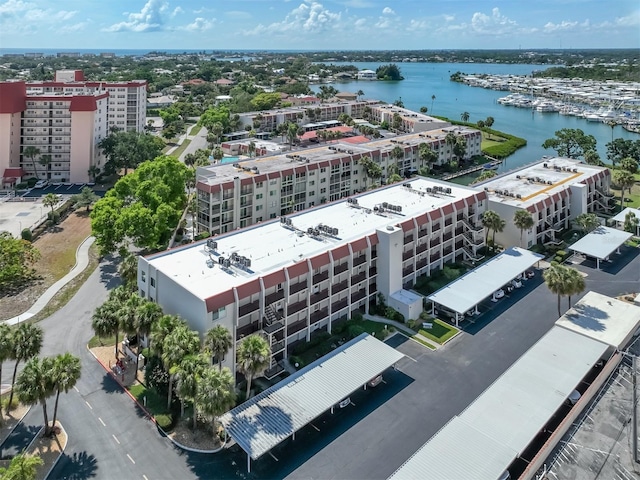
<point x="407" y="271"/>
<point x="359" y="260"/>
<point x="317" y="297"/>
<point x="339" y="305"/>
<point x="338" y="287"/>
<point x="341" y="268"/>
<point x="296" y="307"/>
<point x="296" y="327"/>
<point x="247" y="330"/>
<point x="274" y="297"/>
<point x="373" y="271"/>
<point x="358" y="278"/>
<point x="408" y="239"/>
<point x="422" y="233"/>
<point x="248" y="308"/>
<point x="320" y="277"/>
<point x="359" y="295"/>
<point x="407" y="255"/>
<point x="421" y="263"/>
<point x="318" y="315"/>
<point x="298" y="287"/>
<point x="421" y="248"/>
<point x="272" y="328"/>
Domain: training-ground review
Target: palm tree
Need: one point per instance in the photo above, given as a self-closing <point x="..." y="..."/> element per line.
<point x="215" y="394"/>
<point x="106" y="321"/>
<point x="50" y="200"/>
<point x="32" y="152"/>
<point x="497" y="226"/>
<point x="253" y="358"/>
<point x="6" y="347"/>
<point x="433" y="97"/>
<point x="217" y="342"/>
<point x="35" y="384"/>
<point x="587" y="222"/>
<point x="424" y="109"/>
<point x="575" y="283"/>
<point x="631" y="223"/>
<point x="426" y="155"/>
<point x="489" y="121"/>
<point x="22" y="467"/>
<point x="66" y="373"/>
<point x="359" y="94"/>
<point x="45" y="160"/>
<point x="556" y="279"/>
<point x="146" y="315"/>
<point x="523" y="220"/>
<point x="397" y="153"/>
<point x="292" y="133"/>
<point x="625" y="180"/>
<point x="217" y="130"/>
<point x="181" y="342"/>
<point x="629" y="164"/>
<point x="163" y="327"/>
<point x="464" y="117"/>
<point x="188" y="373"/>
<point x="488" y="219"/>
<point x="450" y="140"/>
<point x="251" y="149"/>
<point x="128" y="270"/>
<point x="93" y="172"/>
<point x="27" y="342"/>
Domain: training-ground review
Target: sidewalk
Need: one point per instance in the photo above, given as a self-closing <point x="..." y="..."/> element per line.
<point x="403" y="328"/>
<point x="82" y="260"/>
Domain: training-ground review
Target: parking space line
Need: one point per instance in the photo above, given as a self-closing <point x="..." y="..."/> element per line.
<point x="144" y="477"/>
<point x="90" y="407"/>
<point x="76" y="389"/>
<point x="317" y="429"/>
<point x="103" y="424"/>
<point x="273" y="456"/>
<point x="116" y="439"/>
<point x="129" y="457"/>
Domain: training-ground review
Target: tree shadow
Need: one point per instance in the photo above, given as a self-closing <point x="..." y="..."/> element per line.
<point x="19" y="439"/>
<point x="76" y="467"/>
<point x="109" y="272"/>
<point x="109" y="385"/>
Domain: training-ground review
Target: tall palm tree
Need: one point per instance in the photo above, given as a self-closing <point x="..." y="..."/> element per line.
<point x="523" y="220"/>
<point x="488" y="220"/>
<point x="106" y="321"/>
<point x="217" y="342"/>
<point x="163" y="327"/>
<point x="27" y="342"/>
<point x="625" y="180"/>
<point x="148" y="314"/>
<point x="66" y="373"/>
<point x="31" y="153"/>
<point x="464" y="116"/>
<point x="45" y="161"/>
<point x="253" y="358"/>
<point x="180" y="343"/>
<point x="35" y="384"/>
<point x="433" y="97"/>
<point x="575" y="283"/>
<point x="128" y="270"/>
<point x="217" y="130"/>
<point x="6" y="347"/>
<point x="450" y="140"/>
<point x="397" y="153"/>
<point x="215" y="394"/>
<point x="427" y="155"/>
<point x="497" y="226"/>
<point x="631" y="223"/>
<point x="359" y="94"/>
<point x="188" y="373"/>
<point x="556" y="279"/>
<point x="587" y="222"/>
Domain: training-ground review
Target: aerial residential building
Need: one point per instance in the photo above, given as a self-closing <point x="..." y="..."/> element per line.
<point x="237" y="195"/>
<point x="554" y="190"/>
<point x="367" y="75"/>
<point x="65" y="120"/>
<point x="291" y="276"/>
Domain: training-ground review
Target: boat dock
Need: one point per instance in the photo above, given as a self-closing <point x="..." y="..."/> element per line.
<point x="493" y="164"/>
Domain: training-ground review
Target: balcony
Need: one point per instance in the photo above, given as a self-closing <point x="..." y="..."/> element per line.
<point x="447" y="236"/>
<point x="339" y="305"/>
<point x="298" y="287"/>
<point x="407" y="271"/>
<point x="274" y="297"/>
<point x="294" y="308"/>
<point x="435" y="257"/>
<point x="320" y="277"/>
<point x="272" y="328"/>
<point x="408" y="239"/>
<point x="359" y="295"/>
<point x="319" y="296"/>
<point x="248" y="308"/>
<point x="359" y="260"/>
<point x="422" y="233"/>
<point x="407" y="255"/>
<point x="339" y="287"/>
<point x="318" y="315"/>
<point x="373" y="271"/>
<point x="434" y="242"/>
<point x="421" y="263"/>
<point x="421" y="248"/>
<point x="277" y="347"/>
<point x="343" y="267"/>
<point x="274" y="371"/>
<point x="247" y="330"/>
<point x="358" y="278"/>
<point x="296" y="327"/>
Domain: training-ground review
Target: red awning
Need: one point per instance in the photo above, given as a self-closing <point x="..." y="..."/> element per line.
<point x="13" y="172"/>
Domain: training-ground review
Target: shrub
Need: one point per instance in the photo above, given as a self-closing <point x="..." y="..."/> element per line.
<point x="398" y="317"/>
<point x="164" y="421"/>
<point x="26" y="234"/>
<point x="155" y="376"/>
<point x="296" y="362"/>
<point x="354" y="330"/>
<point x="390" y="313"/>
<point x="54" y="217"/>
<point x="221" y="434"/>
<point x="356" y="317"/>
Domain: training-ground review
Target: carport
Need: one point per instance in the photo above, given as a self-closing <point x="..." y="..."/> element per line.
<point x="279" y="412"/>
<point x="601" y="243"/>
<point x="465" y="293"/>
<point x="621" y="217"/>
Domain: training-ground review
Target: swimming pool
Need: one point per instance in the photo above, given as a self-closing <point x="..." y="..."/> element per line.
<point x="229" y="160"/>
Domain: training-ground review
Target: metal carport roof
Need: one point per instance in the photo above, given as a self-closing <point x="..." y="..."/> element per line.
<point x="509" y="414"/>
<point x="601" y="243"/>
<point x="267" y="419"/>
<point x="473" y="287"/>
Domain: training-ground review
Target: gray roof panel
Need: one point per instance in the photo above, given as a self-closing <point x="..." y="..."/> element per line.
<point x="601" y="243"/>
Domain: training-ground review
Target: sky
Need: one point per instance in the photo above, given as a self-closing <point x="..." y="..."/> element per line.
<point x="319" y="24"/>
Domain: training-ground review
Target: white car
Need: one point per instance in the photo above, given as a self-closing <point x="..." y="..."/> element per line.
<point x="498" y="294"/>
<point x="41" y="184"/>
<point x="517" y="283"/>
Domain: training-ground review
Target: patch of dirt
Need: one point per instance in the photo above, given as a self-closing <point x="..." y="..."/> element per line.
<point x="49" y="450"/>
<point x="125" y="370"/>
<point x="58" y="249"/>
<point x="201" y="438"/>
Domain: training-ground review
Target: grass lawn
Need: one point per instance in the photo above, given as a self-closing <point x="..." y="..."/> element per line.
<point x="156" y="404"/>
<point x="195" y="130"/>
<point x="419" y="340"/>
<point x="489" y="141"/>
<point x="440" y="332"/>
<point x="97" y="341"/>
<point x="180" y="150"/>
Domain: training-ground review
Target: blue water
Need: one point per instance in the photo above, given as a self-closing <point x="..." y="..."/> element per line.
<point x="423" y="80"/>
<point x="229" y="160"/>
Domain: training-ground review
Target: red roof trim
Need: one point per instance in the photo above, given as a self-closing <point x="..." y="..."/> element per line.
<point x="447" y="209"/>
<point x="248" y="289"/>
<point x="246" y="181"/>
<point x="220" y="300"/>
<point x="13" y="172"/>
<point x="373" y="239"/>
<point x="273" y="279"/>
<point x="358" y="245"/>
<point x="14" y="97"/>
<point x="340" y="252"/>
<point x="320" y="260"/>
<point x="298" y="269"/>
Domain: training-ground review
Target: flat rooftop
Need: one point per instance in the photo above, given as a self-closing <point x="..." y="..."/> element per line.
<point x="267" y="419"/>
<point x="473" y="287"/>
<point x="286" y="246"/>
<point x="334" y="150"/>
<point x="534" y="182"/>
<point x="602" y="318"/>
<point x="601" y="243"/>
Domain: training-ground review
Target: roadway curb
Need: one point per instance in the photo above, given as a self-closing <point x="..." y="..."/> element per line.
<point x="63" y="447"/>
<point x="151" y="417"/>
<point x="17" y="423"/>
<point x="115" y="377"/>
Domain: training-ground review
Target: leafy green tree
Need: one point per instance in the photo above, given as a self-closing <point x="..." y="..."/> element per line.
<point x="629" y="164"/>
<point x="253" y="355"/>
<point x="178" y="344"/>
<point x="630" y="224"/>
<point x="625" y="180"/>
<point x="464" y="116"/>
<point x="571" y="143"/>
<point x="147" y="314"/>
<point x="397" y="153"/>
<point x="85" y="198"/>
<point x="621" y="148"/>
<point x="127" y="150"/>
<point x="35" y="384"/>
<point x="489" y="220"/>
<point x="215" y="394"/>
<point x="523" y="220"/>
<point x="16" y="258"/>
<point x="66" y="373"/>
<point x="265" y="101"/>
<point x="359" y="94"/>
<point x="22" y="467"/>
<point x="326" y="92"/>
<point x="426" y="155"/>
<point x="591" y="157"/>
<point x="188" y="373"/>
<point x="217" y="342"/>
<point x="489" y="121"/>
<point x="480" y="124"/>
<point x="389" y="72"/>
<point x="6" y="347"/>
<point x="450" y="140"/>
<point x="557" y="282"/>
<point x="143" y="208"/>
<point x="292" y="133"/>
<point x="27" y="342"/>
<point x="424" y="109"/>
<point x="50" y="200"/>
<point x="93" y="172"/>
<point x="31" y="153"/>
<point x="587" y="222"/>
<point x="460" y="147"/>
<point x="394" y="178"/>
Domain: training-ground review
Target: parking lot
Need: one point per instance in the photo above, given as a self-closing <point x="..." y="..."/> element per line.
<point x="58" y="189"/>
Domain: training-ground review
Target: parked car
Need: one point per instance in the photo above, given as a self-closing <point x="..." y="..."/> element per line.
<point x="530" y="273"/>
<point x="41" y="184"/>
<point x="498" y="294"/>
<point x="574" y="397"/>
<point x="517" y="283"/>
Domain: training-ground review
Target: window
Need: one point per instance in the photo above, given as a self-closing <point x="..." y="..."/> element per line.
<point x="258" y="208"/>
<point x="220" y="313"/>
<point x="272" y="193"/>
<point x="143" y="276"/>
<point x="258" y="196"/>
<point x="259" y="185"/>
<point x="153" y="282"/>
<point x="323" y="180"/>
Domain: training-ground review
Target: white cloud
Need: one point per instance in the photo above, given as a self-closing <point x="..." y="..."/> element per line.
<point x="149" y="19"/>
<point x="308" y="17"/>
<point x="388" y="11"/>
<point x="26" y="17"/>
<point x="494" y="24"/>
<point x="200" y="25"/>
<point x="563" y="26"/>
<point x="176" y="11"/>
<point x="631" y="20"/>
<point x="76" y="27"/>
<point x="14" y="7"/>
<point x="238" y="14"/>
<point x="417" y="25"/>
